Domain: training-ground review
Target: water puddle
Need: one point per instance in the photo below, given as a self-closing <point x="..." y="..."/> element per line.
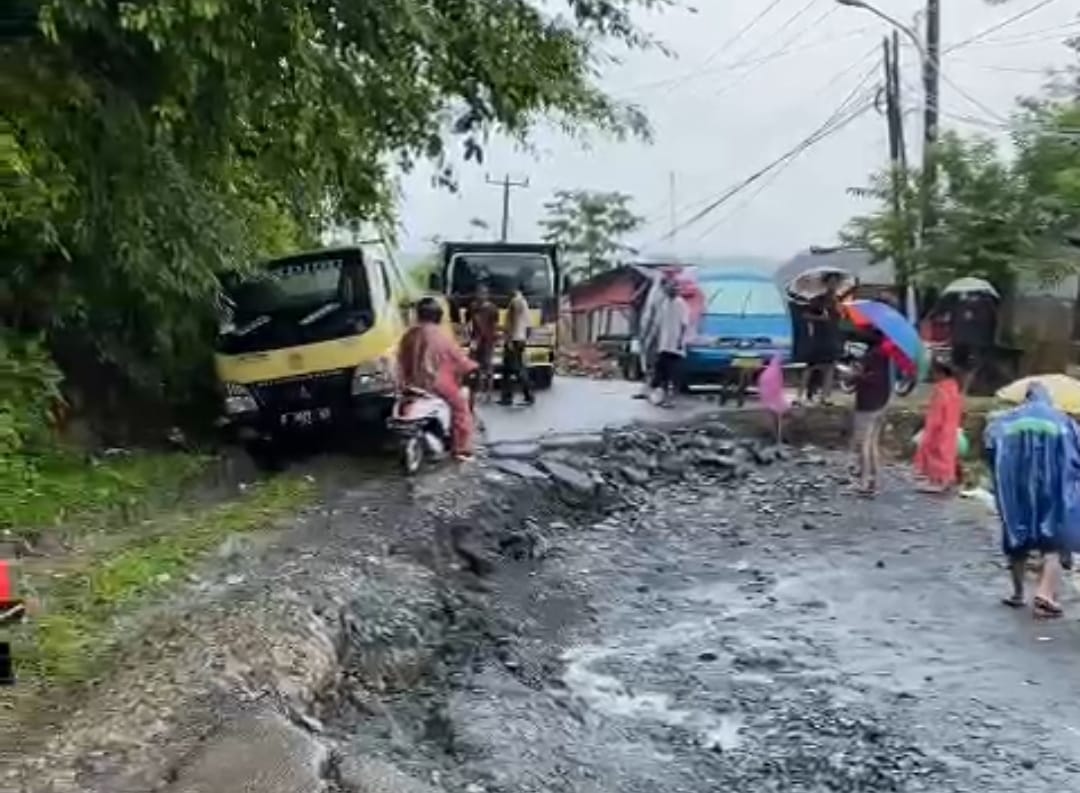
<point x="607" y="695"/>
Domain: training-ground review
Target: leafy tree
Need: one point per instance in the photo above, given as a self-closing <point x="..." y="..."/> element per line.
<point x="590" y="225"/>
<point x="148" y="148"/>
<point x="995" y="218"/>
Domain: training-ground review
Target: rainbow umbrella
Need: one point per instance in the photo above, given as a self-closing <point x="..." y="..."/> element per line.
<point x="902" y="339"/>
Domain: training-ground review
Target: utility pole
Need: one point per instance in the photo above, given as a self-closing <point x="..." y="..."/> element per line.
<point x="897" y="158"/>
<point x="506" y="183"/>
<point x="932" y="87"/>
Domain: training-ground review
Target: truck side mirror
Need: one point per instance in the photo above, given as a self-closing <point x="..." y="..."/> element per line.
<point x="435" y="282"/>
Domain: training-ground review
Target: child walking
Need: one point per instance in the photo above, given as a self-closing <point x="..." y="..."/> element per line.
<point x="936" y="459"/>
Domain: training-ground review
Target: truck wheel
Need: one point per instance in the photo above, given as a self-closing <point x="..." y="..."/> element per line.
<point x="542" y="378"/>
<point x="266" y="456"/>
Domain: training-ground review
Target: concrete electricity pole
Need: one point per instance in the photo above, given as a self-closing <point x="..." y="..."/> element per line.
<point x="931" y="67"/>
<point x="506" y="184"/>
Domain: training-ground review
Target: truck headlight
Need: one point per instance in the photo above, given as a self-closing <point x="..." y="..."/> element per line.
<point x="373" y="377"/>
<point x="239" y="399"/>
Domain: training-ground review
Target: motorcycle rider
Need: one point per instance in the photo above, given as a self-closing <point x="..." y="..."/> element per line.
<point x="430" y="359"/>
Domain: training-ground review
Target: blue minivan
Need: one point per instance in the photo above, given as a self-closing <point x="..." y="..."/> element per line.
<point x="744" y="322"/>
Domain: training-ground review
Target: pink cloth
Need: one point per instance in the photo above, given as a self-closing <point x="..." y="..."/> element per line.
<point x="429" y="358"/>
<point x="771" y="388"/>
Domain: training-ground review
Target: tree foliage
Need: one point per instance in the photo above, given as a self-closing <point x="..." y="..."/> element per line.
<point x="590" y="226"/>
<point x="994" y="217"/>
<point x="147" y="148"/>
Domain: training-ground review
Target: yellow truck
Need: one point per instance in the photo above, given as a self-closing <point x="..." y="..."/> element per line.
<point x="505" y="267"/>
<point x="309" y="341"/>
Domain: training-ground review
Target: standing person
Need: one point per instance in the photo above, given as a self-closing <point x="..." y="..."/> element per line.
<point x="672" y="325"/>
<point x="431" y="360"/>
<point x="824" y="339"/>
<point x="972" y="327"/>
<point x="517" y="334"/>
<point x="873" y="387"/>
<point x="936" y="460"/>
<point x="1034" y="454"/>
<point x="648" y="330"/>
<point x="483" y="330"/>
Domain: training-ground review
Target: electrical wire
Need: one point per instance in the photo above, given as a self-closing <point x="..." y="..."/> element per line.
<point x="779" y="52"/>
<point x="741" y="32"/>
<point x="832" y="125"/>
<point x="974" y="100"/>
<point x="688" y="76"/>
<point x="998" y="26"/>
<point x="659" y="214"/>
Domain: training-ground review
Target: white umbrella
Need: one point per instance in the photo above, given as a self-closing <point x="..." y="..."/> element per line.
<point x="971" y="286"/>
<point x="811" y="283"/>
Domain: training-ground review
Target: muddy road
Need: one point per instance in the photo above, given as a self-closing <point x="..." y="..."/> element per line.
<point x="639" y="610"/>
<point x="766" y="633"/>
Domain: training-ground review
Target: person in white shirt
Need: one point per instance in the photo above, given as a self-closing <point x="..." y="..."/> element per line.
<point x="672" y="328"/>
<point x="517" y="334"/>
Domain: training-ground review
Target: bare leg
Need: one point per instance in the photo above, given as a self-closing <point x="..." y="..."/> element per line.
<point x="1017" y="568"/>
<point x="828" y="375"/>
<point x="875" y="451"/>
<point x="1046" y="604"/>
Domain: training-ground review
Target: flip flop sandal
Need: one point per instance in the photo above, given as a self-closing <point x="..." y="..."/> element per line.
<point x="1047" y="610"/>
<point x="1014" y="602"/>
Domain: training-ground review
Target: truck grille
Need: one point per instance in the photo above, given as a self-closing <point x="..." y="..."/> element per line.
<point x="306" y="391"/>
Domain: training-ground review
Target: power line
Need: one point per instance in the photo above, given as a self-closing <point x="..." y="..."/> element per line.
<point x="975" y="101"/>
<point x="653" y="216"/>
<point x="829" y="127"/>
<point x="999" y="25"/>
<point x="749" y="59"/>
<point x="779" y="52"/>
<point x="741" y="32"/>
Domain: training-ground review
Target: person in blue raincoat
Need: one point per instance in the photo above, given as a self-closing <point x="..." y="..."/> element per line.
<point x="1034" y="455"/>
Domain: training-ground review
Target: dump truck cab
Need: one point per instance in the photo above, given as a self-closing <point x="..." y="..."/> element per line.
<point x="505" y="267"/>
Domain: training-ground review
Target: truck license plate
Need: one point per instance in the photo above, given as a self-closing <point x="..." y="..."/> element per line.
<point x="305" y="418"/>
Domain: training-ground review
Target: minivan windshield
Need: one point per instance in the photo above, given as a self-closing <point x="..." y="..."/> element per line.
<point x="744" y="298"/>
<point x="503" y="273"/>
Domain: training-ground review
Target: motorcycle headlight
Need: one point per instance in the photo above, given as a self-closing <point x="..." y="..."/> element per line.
<point x="239" y="399"/>
<point x="373" y="377"/>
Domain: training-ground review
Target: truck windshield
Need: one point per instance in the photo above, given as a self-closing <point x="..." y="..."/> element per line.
<point x="293" y="288"/>
<point x="503" y="273"/>
<point x="745" y="298"/>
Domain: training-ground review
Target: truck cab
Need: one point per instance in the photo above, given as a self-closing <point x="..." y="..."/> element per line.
<point x="505" y="267"/>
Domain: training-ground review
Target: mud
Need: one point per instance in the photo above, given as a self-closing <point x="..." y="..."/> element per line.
<point x="643" y="610"/>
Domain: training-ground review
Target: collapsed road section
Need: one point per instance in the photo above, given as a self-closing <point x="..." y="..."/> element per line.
<point x="683" y="610"/>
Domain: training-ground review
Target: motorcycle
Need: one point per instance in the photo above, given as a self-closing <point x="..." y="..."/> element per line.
<point x="421" y="422"/>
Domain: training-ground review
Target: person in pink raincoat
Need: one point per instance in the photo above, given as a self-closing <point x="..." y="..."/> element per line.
<point x="771" y="392"/>
<point x="430" y="359"/>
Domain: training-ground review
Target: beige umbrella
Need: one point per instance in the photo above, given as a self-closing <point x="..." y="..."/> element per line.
<point x="1063" y="390"/>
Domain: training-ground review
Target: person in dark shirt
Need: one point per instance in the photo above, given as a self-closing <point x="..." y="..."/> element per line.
<point x="824" y="342"/>
<point x="483" y="332"/>
<point x="873" y="387"/>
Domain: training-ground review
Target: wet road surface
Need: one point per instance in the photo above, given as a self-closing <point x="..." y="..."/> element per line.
<point x="577" y="404"/>
<point x="774" y="635"/>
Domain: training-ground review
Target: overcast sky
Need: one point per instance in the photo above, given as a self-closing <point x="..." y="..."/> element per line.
<point x="722" y="110"/>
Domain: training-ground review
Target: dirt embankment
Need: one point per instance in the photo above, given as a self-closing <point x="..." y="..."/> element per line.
<point x="383" y="591"/>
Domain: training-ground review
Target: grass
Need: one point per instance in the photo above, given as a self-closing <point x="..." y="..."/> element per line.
<point x="60" y="488"/>
<point x="69" y="641"/>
